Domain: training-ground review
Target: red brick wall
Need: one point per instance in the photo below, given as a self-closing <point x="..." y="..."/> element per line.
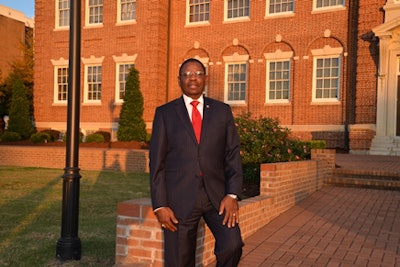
<point x="89" y="158"/>
<point x="146" y="38"/>
<point x="300" y="33"/>
<point x="162" y="41"/>
<point x="370" y="16"/>
<point x="12" y="35"/>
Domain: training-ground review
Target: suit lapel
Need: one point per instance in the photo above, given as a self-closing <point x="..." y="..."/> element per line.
<point x="184" y="118"/>
<point x="207" y="115"/>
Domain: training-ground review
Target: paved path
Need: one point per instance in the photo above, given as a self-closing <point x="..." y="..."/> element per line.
<point x="336" y="226"/>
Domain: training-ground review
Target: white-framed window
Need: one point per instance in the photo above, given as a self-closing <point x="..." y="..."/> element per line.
<point x="326" y="78"/>
<point x="123" y="64"/>
<point x="93" y="79"/>
<point x="275" y="7"/>
<point x="62" y="13"/>
<point x="327" y="4"/>
<point x="94" y="12"/>
<point x="236" y="9"/>
<point x="126" y="11"/>
<point x="61" y="84"/>
<point x="236" y="79"/>
<point x="122" y="75"/>
<point x="278" y="81"/>
<point x="197" y="11"/>
<point x="60" y="91"/>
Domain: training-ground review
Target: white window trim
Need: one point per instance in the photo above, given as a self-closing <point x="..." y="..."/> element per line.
<point x="326" y="52"/>
<point x="280" y="14"/>
<point x="92" y="61"/>
<point x="124" y="59"/>
<point x="87" y="14"/>
<point x="278" y="55"/>
<point x="329" y="8"/>
<point x="57" y="18"/>
<point x="60" y="63"/>
<point x="239" y="19"/>
<point x="197" y="23"/>
<point x="235" y="59"/>
<point x="124" y="22"/>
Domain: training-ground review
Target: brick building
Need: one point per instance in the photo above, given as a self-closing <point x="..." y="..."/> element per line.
<point x="15" y="27"/>
<point x="313" y="64"/>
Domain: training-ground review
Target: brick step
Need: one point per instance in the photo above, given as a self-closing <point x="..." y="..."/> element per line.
<point x="364" y="181"/>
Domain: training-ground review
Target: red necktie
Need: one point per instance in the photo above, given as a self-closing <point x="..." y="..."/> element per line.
<point x="196" y="120"/>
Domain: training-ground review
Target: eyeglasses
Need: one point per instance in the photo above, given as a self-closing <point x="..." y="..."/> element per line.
<point x="189" y="74"/>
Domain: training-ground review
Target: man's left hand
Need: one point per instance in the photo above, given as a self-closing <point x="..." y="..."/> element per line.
<point x="230" y="206"/>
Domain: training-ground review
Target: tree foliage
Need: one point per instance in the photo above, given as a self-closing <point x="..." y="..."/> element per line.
<point x="131" y="124"/>
<point x="20" y="118"/>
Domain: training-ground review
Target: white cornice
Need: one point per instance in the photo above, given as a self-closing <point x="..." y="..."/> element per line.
<point x="16" y="15"/>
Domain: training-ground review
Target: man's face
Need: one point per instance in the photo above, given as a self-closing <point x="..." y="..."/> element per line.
<point x="192" y="80"/>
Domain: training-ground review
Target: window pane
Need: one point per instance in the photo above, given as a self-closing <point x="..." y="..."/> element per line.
<point x="63" y="13"/>
<point x="279" y="6"/>
<point x="94" y="82"/>
<point x="199" y="10"/>
<point x="327" y="78"/>
<point x="237" y="78"/>
<point x="62" y="84"/>
<point x="128" y="10"/>
<point x="123" y="75"/>
<point x="95" y="11"/>
<point x="329" y="3"/>
<point x="238" y="8"/>
<point x="279" y="83"/>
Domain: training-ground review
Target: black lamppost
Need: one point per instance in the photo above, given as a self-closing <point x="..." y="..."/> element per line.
<point x="69" y="244"/>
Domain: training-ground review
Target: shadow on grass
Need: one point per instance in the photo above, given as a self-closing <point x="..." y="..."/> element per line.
<point x="30" y="206"/>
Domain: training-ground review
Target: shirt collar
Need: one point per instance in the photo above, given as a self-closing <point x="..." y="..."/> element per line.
<point x="189" y="99"/>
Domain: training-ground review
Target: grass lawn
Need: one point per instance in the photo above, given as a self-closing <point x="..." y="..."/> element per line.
<point x="30" y="210"/>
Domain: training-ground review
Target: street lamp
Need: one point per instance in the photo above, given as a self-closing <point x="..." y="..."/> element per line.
<point x="69" y="244"/>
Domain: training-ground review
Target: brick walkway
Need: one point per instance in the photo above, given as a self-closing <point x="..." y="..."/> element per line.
<point x="336" y="226"/>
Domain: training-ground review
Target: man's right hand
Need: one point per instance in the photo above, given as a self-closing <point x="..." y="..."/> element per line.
<point x="167" y="218"/>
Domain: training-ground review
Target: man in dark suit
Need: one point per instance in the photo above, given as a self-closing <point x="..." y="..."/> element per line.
<point x="194" y="177"/>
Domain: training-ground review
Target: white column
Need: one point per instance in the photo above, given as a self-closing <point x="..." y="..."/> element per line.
<point x="382" y="90"/>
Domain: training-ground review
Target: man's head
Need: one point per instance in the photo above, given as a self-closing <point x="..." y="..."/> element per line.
<point x="192" y="78"/>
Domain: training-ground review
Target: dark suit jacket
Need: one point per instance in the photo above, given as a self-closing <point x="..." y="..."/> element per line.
<point x="176" y="159"/>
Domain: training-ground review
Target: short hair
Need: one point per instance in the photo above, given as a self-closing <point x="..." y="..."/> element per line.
<point x="191" y="60"/>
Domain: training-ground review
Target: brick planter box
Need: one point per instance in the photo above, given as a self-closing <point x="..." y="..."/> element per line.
<point x="135" y="160"/>
<point x="139" y="240"/>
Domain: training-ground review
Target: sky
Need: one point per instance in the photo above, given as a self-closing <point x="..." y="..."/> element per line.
<point x="25" y="6"/>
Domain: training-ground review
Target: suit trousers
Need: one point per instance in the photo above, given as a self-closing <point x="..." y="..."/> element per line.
<point x="180" y="246"/>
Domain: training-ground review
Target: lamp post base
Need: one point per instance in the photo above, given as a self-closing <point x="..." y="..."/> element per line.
<point x="68" y="249"/>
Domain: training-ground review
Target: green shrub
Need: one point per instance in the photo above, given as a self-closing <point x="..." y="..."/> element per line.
<point x="95" y="138"/>
<point x="20" y="118"/>
<point x="262" y="140"/>
<point x="54" y="134"/>
<point x="11" y="136"/>
<point x="64" y="138"/>
<point x="131" y="124"/>
<point x="317" y="144"/>
<point x="106" y="135"/>
<point x="41" y="137"/>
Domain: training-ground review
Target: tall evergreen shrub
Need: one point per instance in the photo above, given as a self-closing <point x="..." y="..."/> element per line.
<point x="131" y="124"/>
<point x="19" y="113"/>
